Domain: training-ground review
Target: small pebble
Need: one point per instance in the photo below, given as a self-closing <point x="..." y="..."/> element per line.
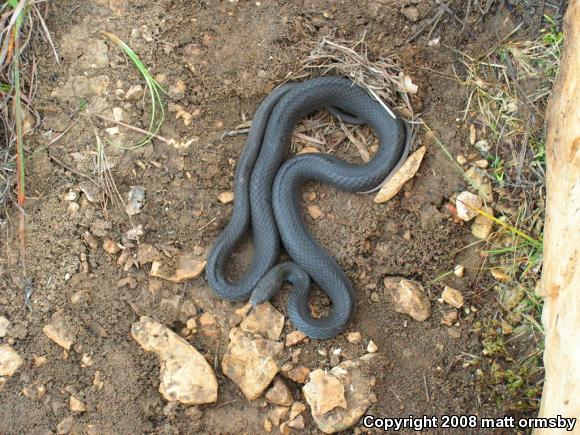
<point x="372" y="347"/>
<point x="354" y="337"/>
<point x="453" y="297"/>
<point x="226" y="197"/>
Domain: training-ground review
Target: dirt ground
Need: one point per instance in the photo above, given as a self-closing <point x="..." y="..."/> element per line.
<point x="229" y="55"/>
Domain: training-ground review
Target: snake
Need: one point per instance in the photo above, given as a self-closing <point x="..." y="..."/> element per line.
<point x="267" y="194"/>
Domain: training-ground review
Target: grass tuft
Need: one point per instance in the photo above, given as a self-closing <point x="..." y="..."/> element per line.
<point x="153" y="89"/>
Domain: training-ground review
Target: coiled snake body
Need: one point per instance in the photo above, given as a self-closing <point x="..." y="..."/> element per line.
<point x="267" y="195"/>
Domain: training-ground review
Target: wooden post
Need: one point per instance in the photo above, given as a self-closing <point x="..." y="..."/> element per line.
<point x="560" y="286"/>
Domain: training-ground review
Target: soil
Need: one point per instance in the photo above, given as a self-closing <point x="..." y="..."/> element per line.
<point x="229" y="55"/>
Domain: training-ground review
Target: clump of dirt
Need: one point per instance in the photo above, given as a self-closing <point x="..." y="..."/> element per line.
<point x="218" y="61"/>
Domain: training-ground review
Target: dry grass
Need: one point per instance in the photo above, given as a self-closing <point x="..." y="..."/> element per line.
<point x="383" y="78"/>
<point x="21" y="23"/>
<point x="508" y="90"/>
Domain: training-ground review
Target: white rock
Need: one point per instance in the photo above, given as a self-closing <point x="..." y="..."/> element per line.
<point x="185" y="374"/>
<point x="356" y="398"/>
<point x="4" y="324"/>
<point x="118" y="114"/>
<point x="324" y="392"/>
<point x="372" y="347"/>
<point x="10" y="360"/>
<point x="453" y="297"/>
<point x="264" y="320"/>
<point x="459" y="271"/>
<point x="76" y="405"/>
<point x="482" y="226"/>
<point x="467" y="205"/>
<point x="226" y="197"/>
<point x="134" y="93"/>
<point x="409" y="298"/>
<point x="482" y="146"/>
<point x="135" y="199"/>
<point x="58" y="330"/>
<point x="252" y="363"/>
<point x="480" y="181"/>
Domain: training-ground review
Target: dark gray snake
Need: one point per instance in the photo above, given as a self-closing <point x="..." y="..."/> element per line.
<point x="267" y="191"/>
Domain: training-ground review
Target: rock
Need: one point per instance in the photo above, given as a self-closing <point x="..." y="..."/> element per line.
<point x="86" y="360"/>
<point x="294" y="338"/>
<point x="482" y="225"/>
<point x="278" y="414"/>
<point x="482" y="146"/>
<point x="296" y="409"/>
<point x="58" y="330"/>
<point x="468" y="205"/>
<point x="110" y="246"/>
<point x="450" y="318"/>
<point x="482" y="163"/>
<point x="411" y="13"/>
<point x="268" y="426"/>
<point x="315" y="212"/>
<point x="285" y="429"/>
<point x="35" y="391"/>
<point x="208" y="325"/>
<point x="372" y="347"/>
<point x="10" y="360"/>
<point x="297" y="423"/>
<point x="40" y="360"/>
<point x="409" y="298"/>
<point x="298" y="374"/>
<point x="71" y="195"/>
<point x="280" y="394"/>
<point x="191" y="324"/>
<point x="76" y="405"/>
<point x="497" y="273"/>
<point x="135" y="199"/>
<point x="117" y="113"/>
<point x="65" y="425"/>
<point x="92" y="193"/>
<point x="226" y="197"/>
<point x="185" y="374"/>
<point x="185" y="268"/>
<point x="459" y="271"/>
<point x="146" y="33"/>
<point x="98" y="380"/>
<point x="4" y="324"/>
<point x="251" y="363"/>
<point x="134" y="93"/>
<point x="264" y="320"/>
<point x="479" y="180"/>
<point x="358" y="396"/>
<point x="177" y="91"/>
<point x="354" y="337"/>
<point x="452" y="296"/>
<point x="404" y="174"/>
<point x="324" y="392"/>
